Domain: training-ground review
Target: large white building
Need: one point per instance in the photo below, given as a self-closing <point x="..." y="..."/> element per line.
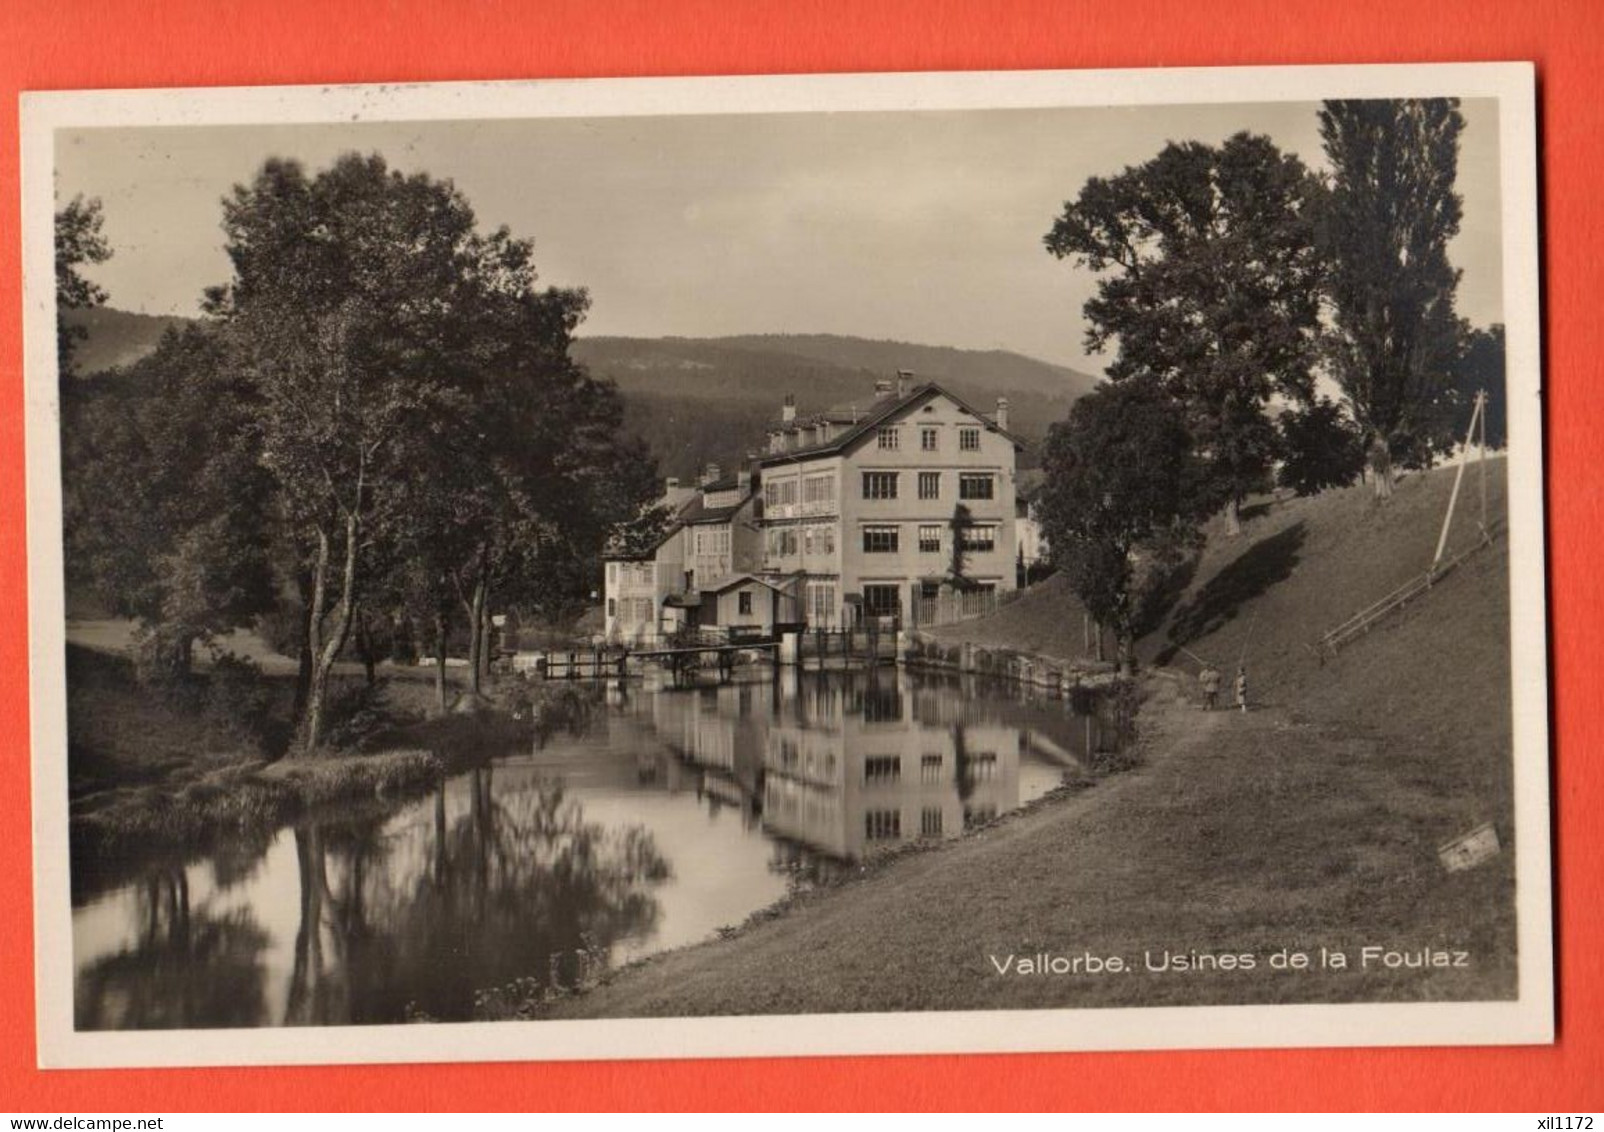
<point x="888" y="508"/>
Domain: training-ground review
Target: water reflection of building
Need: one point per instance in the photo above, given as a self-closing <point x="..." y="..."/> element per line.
<point x="865" y="764"/>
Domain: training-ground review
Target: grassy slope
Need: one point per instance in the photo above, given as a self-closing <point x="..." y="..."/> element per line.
<point x="1312" y="821"/>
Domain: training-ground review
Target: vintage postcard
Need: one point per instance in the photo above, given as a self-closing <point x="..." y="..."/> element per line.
<point x="796" y="565"/>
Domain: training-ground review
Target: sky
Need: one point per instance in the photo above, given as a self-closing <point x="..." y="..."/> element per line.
<point x="915" y="226"/>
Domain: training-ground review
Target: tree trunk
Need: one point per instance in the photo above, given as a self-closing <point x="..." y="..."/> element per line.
<point x="487" y="634"/>
<point x="441" y="624"/>
<point x="1125" y="647"/>
<point x="476" y="638"/>
<point x="326" y="652"/>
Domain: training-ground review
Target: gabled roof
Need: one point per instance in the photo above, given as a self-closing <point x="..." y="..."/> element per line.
<point x="701" y="513"/>
<point x="730" y="581"/>
<point x="879" y="413"/>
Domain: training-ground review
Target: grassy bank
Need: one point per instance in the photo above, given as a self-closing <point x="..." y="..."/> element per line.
<point x="1309" y="823"/>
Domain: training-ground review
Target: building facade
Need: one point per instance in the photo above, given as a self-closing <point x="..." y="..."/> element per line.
<point x="876" y="509"/>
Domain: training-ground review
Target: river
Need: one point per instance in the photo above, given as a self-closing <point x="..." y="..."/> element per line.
<point x="665" y="815"/>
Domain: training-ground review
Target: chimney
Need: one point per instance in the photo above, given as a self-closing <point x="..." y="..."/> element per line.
<point x="788" y="409"/>
<point x="710" y="475"/>
<point x="671" y="483"/>
<point x="743" y="480"/>
<point x="1002" y="413"/>
<point x="882" y="388"/>
<point x="904" y="382"/>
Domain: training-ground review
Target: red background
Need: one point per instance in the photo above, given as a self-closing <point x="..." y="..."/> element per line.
<point x="136" y="43"/>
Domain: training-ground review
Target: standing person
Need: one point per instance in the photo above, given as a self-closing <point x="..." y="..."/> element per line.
<point x="1210" y="679"/>
<point x="1242" y="687"/>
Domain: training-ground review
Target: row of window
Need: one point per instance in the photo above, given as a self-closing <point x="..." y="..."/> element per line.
<point x="712" y="541"/>
<point x="634" y="610"/>
<point x="887" y="538"/>
<point x="886" y="825"/>
<point x="882" y="770"/>
<point x="631" y="573"/>
<point x="889" y="438"/>
<point x="971" y="485"/>
<point x="816" y="491"/>
<point x="784" y="542"/>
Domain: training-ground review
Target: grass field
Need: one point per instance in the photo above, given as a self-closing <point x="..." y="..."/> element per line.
<point x="1312" y="821"/>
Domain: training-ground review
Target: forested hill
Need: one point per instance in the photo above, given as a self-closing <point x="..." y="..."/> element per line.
<point x="705" y="400"/>
<point x="117" y="338"/>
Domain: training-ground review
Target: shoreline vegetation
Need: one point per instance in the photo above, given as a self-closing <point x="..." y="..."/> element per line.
<point x="1311" y="821"/>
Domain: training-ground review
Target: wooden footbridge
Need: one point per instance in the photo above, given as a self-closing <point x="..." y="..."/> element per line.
<point x="599" y="664"/>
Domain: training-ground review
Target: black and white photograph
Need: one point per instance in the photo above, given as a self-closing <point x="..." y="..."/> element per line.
<point x="712" y="567"/>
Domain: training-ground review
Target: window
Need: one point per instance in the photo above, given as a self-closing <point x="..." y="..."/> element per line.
<point x="930" y="822"/>
<point x="818" y="491"/>
<point x="979" y="815"/>
<point x="879" y="485"/>
<point x="890" y="438"/>
<point x="779" y="493"/>
<point x="981" y="539"/>
<point x="882" y="769"/>
<point x="975" y="485"/>
<point x="821" y="602"/>
<point x="930" y="539"/>
<point x="927" y="439"/>
<point x="982" y="768"/>
<point x="930" y="768"/>
<point x="782" y="542"/>
<point x="882" y="825"/>
<point x="612" y="607"/>
<point x="743" y="603"/>
<point x="929" y="485"/>
<point x="880" y="540"/>
<point x="969" y="440"/>
<point x="882" y="601"/>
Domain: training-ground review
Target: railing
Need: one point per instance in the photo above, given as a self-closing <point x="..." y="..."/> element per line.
<point x="951" y="608"/>
<point x="872" y="642"/>
<point x="1363" y="621"/>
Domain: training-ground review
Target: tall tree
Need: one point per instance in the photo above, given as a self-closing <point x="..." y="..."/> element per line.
<point x="350" y="296"/>
<point x="1209" y="284"/>
<point x="1121" y="498"/>
<point x="79" y="241"/>
<point x="1386" y="224"/>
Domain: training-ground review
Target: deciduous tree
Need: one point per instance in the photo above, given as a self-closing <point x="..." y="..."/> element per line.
<point x="1209" y="286"/>
<point x="1121" y="498"/>
<point x="79" y="241"/>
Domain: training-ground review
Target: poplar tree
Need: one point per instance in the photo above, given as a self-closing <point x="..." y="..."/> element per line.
<point x="1386" y="224"/>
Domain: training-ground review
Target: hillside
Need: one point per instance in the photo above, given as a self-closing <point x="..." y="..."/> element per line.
<point x="705" y="400"/>
<point x="117" y="338"/>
